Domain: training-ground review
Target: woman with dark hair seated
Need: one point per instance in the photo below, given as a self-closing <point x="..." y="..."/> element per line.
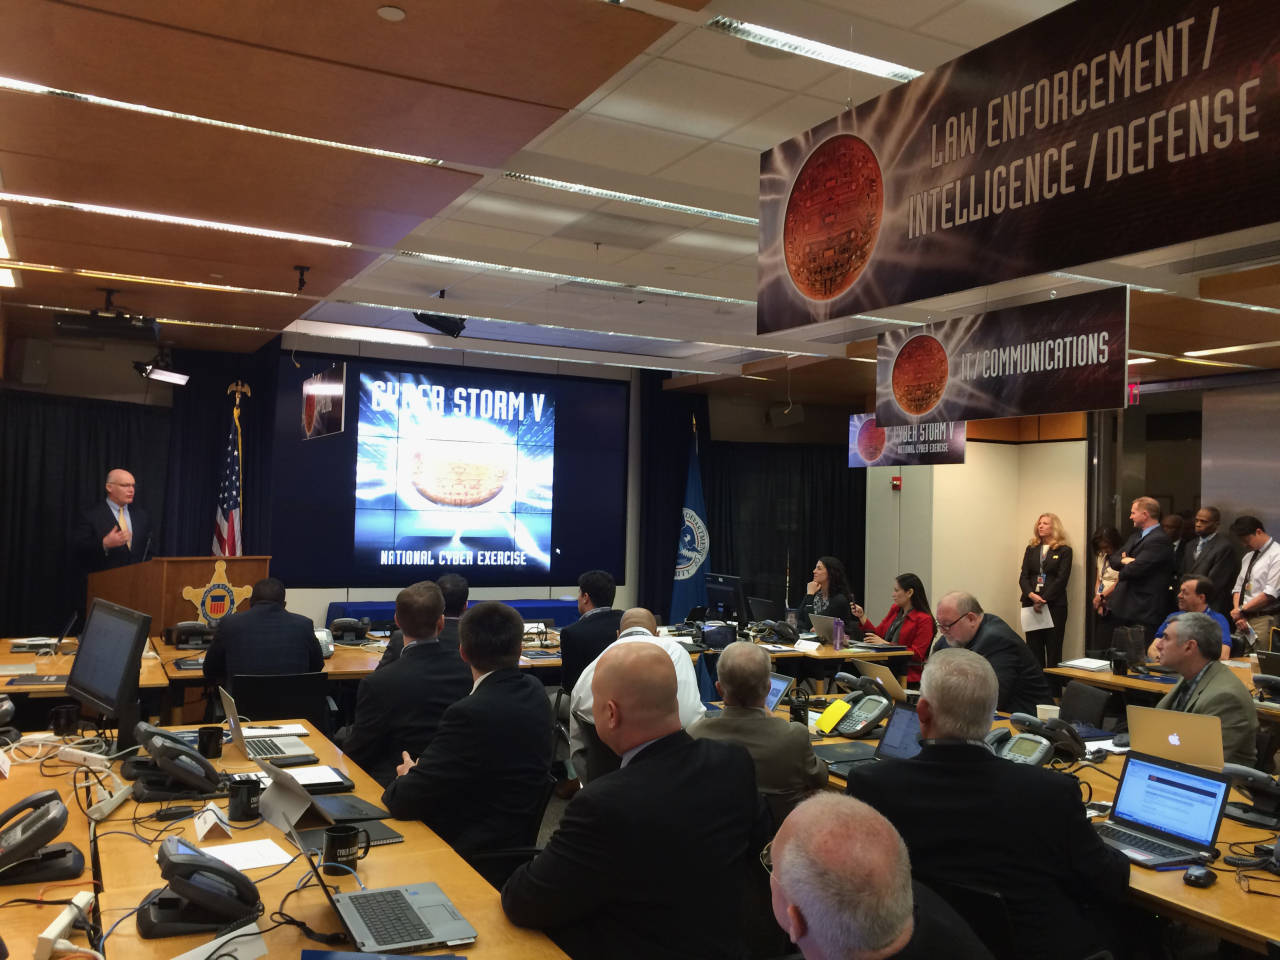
<point x="908" y="622"/>
<point x="829" y="596"/>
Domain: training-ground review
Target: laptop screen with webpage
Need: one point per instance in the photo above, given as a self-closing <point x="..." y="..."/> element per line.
<point x="1171" y="797"/>
<point x="778" y="687"/>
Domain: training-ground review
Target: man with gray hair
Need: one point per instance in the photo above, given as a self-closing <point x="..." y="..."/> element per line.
<point x="963" y="623"/>
<point x="1191" y="645"/>
<point x="786" y="768"/>
<point x="971" y="818"/>
<point x="841" y="888"/>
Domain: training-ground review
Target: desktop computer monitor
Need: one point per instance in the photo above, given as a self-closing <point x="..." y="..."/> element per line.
<point x="726" y="600"/>
<point x="104" y="676"/>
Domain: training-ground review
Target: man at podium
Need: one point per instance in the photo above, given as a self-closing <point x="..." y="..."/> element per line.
<point x="114" y="532"/>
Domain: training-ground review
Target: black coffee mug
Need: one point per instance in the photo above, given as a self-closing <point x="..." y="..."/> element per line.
<point x="342" y="846"/>
<point x="243" y="799"/>
<point x="209" y="742"/>
<point x="65" y="720"/>
<point x="1119" y="664"/>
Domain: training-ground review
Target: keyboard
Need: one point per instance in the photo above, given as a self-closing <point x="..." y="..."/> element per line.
<point x="1145" y="844"/>
<point x="263" y="747"/>
<point x="390" y="918"/>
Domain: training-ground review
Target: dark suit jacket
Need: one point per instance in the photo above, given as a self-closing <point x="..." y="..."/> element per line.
<point x="939" y="931"/>
<point x="95" y="523"/>
<point x="478" y="781"/>
<point x="584" y="640"/>
<point x="626" y="874"/>
<point x="399" y="707"/>
<point x="1057" y="571"/>
<point x="969" y="817"/>
<point x="1022" y="682"/>
<point x="1142" y="590"/>
<point x="395" y="643"/>
<point x="266" y="638"/>
<point x="1218" y="561"/>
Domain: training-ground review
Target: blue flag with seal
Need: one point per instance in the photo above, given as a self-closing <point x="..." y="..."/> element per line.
<point x="690" y="587"/>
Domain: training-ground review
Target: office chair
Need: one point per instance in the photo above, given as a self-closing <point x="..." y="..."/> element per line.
<point x="283" y="696"/>
<point x="496" y="866"/>
<point x="1083" y="703"/>
<point x="986" y="913"/>
<point x="600" y="759"/>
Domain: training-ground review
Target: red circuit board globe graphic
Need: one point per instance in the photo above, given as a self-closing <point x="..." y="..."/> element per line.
<point x="833" y="217"/>
<point x="920" y="374"/>
<point x="870" y="441"/>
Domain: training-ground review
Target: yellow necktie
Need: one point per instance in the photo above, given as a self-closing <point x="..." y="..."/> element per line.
<point x="124" y="523"/>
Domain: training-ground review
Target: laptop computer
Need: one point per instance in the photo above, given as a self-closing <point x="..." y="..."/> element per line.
<point x="883" y="676"/>
<point x="394" y="919"/>
<point x="1269" y="662"/>
<point x="260" y="748"/>
<point x="779" y="687"/>
<point x="822" y="626"/>
<point x="900" y="740"/>
<point x="1165" y="813"/>
<point x="1186" y="737"/>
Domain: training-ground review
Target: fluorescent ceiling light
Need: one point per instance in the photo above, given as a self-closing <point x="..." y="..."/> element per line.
<point x="1238" y="348"/>
<point x="1133" y="360"/>
<point x="46" y="202"/>
<point x="154" y="371"/>
<point x="791" y="43"/>
<point x="586" y="191"/>
<point x="22" y="86"/>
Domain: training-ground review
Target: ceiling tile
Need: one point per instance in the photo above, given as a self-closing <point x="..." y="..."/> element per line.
<point x="617" y="231"/>
<point x="900" y="13"/>
<point x="515" y="213"/>
<point x="851" y="87"/>
<point x="586" y="253"/>
<point x="735" y="273"/>
<point x="750" y="61"/>
<point x="624" y="146"/>
<point x="976" y="22"/>
<point x="687" y="100"/>
<point x="458" y="232"/>
<point x="719" y="165"/>
<point x="783" y="122"/>
<point x="655" y="265"/>
<point x="706" y="245"/>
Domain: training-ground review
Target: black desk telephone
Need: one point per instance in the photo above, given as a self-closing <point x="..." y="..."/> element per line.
<point x="203" y="894"/>
<point x="859" y="712"/>
<point x="178" y="768"/>
<point x="24" y="856"/>
<point x="1037" y="741"/>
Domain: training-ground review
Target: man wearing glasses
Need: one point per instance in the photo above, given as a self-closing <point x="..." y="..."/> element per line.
<point x="963" y="623"/>
<point x="114" y="532"/>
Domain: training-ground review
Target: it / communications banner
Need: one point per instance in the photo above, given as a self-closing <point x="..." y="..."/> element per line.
<point x="1105" y="128"/>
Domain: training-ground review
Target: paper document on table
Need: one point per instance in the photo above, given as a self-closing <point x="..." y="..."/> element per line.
<point x="249" y="854"/>
<point x="1033" y="619"/>
<point x="312" y="775"/>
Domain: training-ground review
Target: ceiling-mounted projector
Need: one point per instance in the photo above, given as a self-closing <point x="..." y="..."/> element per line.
<point x="100" y="324"/>
<point x="453" y="326"/>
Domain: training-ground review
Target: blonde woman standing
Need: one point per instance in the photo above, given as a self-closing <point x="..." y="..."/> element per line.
<point x="1046" y="568"/>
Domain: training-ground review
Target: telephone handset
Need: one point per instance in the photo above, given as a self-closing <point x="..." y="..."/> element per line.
<point x="177" y="760"/>
<point x="43" y="817"/>
<point x="1066" y="742"/>
<point x="348" y="630"/>
<point x="203" y="894"/>
<point x="858" y="712"/>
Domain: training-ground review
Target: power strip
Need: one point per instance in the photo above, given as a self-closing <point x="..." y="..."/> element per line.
<point x="62" y="926"/>
<point x="107" y="801"/>
<point x="84" y="758"/>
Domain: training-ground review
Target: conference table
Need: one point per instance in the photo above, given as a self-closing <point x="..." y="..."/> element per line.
<point x="1224" y="909"/>
<point x="152" y="675"/>
<point x="127" y="871"/>
<point x="1141" y="689"/>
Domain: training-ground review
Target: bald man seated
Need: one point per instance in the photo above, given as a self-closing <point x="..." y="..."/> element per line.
<point x="842" y="889"/>
<point x="637" y="625"/>
<point x="650" y="860"/>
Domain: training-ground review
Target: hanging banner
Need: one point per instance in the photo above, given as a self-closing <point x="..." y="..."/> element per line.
<point x="1102" y="129"/>
<point x="323" y="402"/>
<point x="1050" y="357"/>
<point x="871" y="445"/>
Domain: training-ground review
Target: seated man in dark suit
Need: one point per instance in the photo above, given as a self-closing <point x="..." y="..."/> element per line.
<point x="113" y="532"/>
<point x="626" y="874"/>
<point x="486" y="769"/>
<point x="842" y="889"/>
<point x="786" y="769"/>
<point x="972" y="818"/>
<point x="1190" y="645"/>
<point x="963" y="623"/>
<point x="455" y="589"/>
<point x="266" y="638"/>
<point x="584" y="640"/>
<point x="398" y="708"/>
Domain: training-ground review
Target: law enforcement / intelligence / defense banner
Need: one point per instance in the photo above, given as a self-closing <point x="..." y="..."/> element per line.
<point x="1105" y="128"/>
<point x="1050" y="357"/>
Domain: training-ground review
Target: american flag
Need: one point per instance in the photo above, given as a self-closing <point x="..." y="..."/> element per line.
<point x="226" y="535"/>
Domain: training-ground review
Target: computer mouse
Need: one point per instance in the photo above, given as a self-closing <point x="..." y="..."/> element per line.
<point x="1120" y="740"/>
<point x="1199" y="876"/>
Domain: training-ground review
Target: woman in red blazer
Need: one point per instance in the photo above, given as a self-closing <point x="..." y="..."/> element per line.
<point x="908" y="622"/>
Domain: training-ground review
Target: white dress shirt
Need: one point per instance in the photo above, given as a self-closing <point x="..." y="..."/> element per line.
<point x="580" y="702"/>
<point x="1265" y="576"/>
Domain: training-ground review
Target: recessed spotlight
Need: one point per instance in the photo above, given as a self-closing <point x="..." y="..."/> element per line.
<point x="391" y="14"/>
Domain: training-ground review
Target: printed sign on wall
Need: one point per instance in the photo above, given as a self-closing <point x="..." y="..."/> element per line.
<point x="1102" y="129"/>
<point x="871" y="445"/>
<point x="1050" y="357"/>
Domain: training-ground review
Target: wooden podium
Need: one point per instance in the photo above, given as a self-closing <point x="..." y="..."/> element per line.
<point x="156" y="586"/>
